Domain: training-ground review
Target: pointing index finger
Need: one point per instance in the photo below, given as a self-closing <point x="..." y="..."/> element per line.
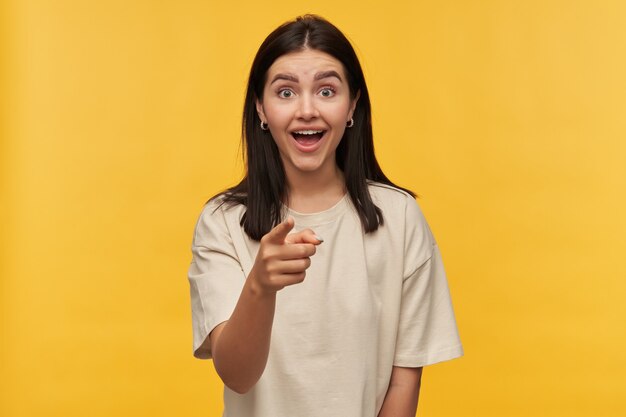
<point x="278" y="234"/>
<point x="304" y="236"/>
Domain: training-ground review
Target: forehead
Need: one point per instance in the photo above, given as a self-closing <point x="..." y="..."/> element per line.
<point x="305" y="64"/>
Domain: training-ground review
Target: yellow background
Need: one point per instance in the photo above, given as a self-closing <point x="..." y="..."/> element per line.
<point x="120" y="118"/>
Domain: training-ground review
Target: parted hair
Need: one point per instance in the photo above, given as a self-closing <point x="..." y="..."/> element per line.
<point x="263" y="189"/>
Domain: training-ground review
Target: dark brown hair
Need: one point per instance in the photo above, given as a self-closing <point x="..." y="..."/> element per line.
<point x="263" y="188"/>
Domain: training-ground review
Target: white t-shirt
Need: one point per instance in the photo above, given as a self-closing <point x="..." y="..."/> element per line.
<point x="369" y="302"/>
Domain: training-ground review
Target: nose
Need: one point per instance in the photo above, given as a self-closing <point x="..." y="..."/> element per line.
<point x="307" y="108"/>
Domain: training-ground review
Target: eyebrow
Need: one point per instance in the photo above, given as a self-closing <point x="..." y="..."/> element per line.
<point x="318" y="76"/>
<point x="287" y="77"/>
<point x="327" y="74"/>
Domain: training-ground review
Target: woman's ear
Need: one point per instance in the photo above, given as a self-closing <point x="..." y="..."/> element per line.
<point x="353" y="103"/>
<point x="260" y="112"/>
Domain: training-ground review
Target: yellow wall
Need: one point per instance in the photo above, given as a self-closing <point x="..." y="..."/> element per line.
<point x="119" y="119"/>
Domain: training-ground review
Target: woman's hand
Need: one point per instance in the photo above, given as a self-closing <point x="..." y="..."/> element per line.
<point x="240" y="345"/>
<point x="282" y="259"/>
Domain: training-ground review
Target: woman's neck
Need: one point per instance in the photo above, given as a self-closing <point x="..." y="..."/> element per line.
<point x="314" y="192"/>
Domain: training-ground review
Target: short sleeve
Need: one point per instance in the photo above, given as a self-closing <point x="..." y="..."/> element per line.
<point x="215" y="277"/>
<point x="427" y="331"/>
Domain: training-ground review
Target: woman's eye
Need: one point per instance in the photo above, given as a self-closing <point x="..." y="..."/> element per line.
<point x="285" y="93"/>
<point x="327" y="92"/>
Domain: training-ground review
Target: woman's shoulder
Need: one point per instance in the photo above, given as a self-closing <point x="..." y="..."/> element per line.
<point x="221" y="206"/>
<point x="402" y="212"/>
<point x="216" y="218"/>
<point x="396" y="203"/>
<point x="388" y="194"/>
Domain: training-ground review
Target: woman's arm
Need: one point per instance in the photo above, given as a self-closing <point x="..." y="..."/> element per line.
<point x="403" y="393"/>
<point x="240" y="346"/>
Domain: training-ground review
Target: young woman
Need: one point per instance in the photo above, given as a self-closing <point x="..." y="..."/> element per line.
<point x="316" y="284"/>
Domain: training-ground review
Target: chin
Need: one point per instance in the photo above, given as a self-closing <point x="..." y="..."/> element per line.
<point x="307" y="166"/>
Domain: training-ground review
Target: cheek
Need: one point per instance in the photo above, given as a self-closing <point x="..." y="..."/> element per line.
<point x="339" y="116"/>
<point x="340" y="110"/>
<point x="276" y="115"/>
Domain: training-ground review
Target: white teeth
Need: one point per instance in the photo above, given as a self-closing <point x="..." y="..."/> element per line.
<point x="308" y="132"/>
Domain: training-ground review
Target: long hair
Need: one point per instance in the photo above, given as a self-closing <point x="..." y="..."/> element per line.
<point x="263" y="188"/>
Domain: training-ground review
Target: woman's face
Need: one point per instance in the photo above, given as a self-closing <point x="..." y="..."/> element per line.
<point x="306" y="103"/>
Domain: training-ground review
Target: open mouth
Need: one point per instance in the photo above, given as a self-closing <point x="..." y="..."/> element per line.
<point x="308" y="137"/>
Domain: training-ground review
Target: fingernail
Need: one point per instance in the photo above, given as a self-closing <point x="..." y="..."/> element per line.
<point x="318" y="238"/>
